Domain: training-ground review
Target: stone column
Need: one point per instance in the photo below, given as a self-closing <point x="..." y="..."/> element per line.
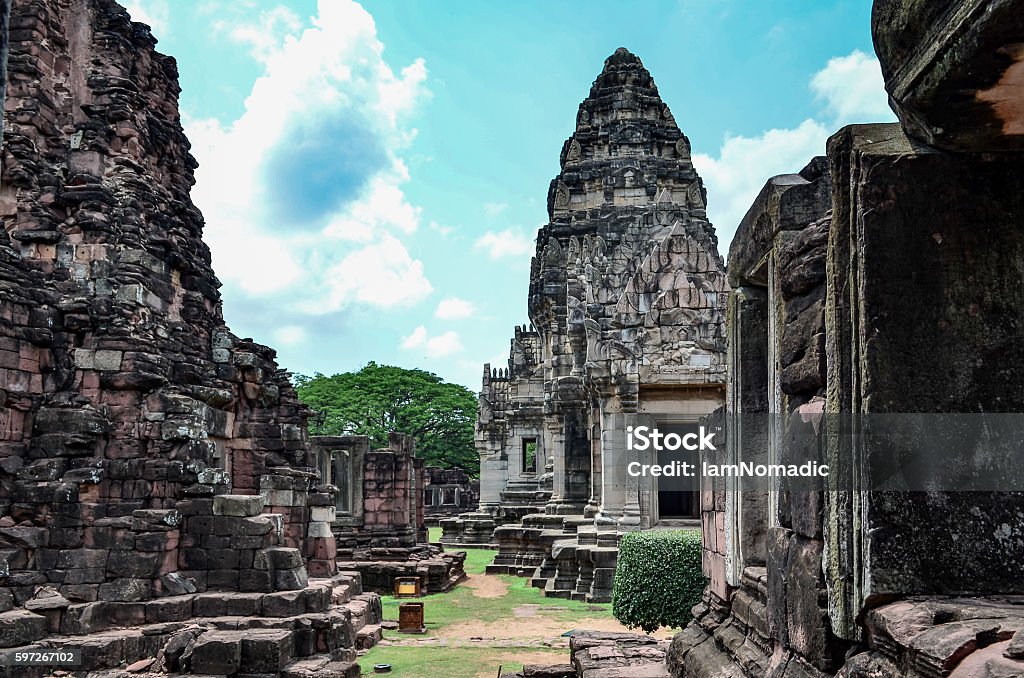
<point x="614" y="461"/>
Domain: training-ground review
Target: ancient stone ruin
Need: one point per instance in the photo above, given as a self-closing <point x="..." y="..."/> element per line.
<point x="378" y="517"/>
<point x="627" y="300"/>
<point x="883" y="278"/>
<point x="159" y="500"/>
<point x="163" y="508"/>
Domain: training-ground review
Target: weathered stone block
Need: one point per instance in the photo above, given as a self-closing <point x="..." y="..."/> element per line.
<point x="178" y="608"/>
<point x="126" y="590"/>
<point x="290" y="579"/>
<point x="242" y="505"/>
<point x="217" y="653"/>
<point x="326" y="514"/>
<point x="266" y="651"/>
<point x="255" y="580"/>
<point x="277" y="558"/>
<point x="952" y="70"/>
<point x="143" y="565"/>
<point x="284" y="604"/>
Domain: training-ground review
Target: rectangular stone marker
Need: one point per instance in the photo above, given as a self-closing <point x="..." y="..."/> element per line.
<point x="410" y="618"/>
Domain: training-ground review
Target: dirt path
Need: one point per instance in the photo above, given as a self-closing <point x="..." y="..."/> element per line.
<point x="486" y="587"/>
<point x="529" y="625"/>
<point x="531" y="628"/>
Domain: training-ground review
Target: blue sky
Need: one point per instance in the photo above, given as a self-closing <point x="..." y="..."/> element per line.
<point x="373" y="175"/>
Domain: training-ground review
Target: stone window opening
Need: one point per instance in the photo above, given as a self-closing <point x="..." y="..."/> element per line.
<point x="529" y="455"/>
<point x="339" y="474"/>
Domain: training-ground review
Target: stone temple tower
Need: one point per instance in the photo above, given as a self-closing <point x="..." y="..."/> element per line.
<point x="626" y="300"/>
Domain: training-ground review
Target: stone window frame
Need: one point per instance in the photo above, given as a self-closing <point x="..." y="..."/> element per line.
<point x="357" y="447"/>
<point x="523" y="455"/>
<point x="749" y="515"/>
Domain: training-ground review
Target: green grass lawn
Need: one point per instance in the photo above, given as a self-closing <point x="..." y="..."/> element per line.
<point x="462" y="662"/>
<point x="462" y="605"/>
<point x="434" y="534"/>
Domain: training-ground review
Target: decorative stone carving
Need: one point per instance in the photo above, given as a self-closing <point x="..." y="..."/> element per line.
<point x="694" y="196"/>
<point x="683" y="148"/>
<point x="561" y="196"/>
<point x="575" y="152"/>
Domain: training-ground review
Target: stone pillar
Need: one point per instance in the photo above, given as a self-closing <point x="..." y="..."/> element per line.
<point x="555" y="436"/>
<point x="614" y="461"/>
<point x="944" y="230"/>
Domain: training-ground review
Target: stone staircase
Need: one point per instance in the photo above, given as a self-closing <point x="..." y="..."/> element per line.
<point x="293" y="634"/>
<point x="567" y="556"/>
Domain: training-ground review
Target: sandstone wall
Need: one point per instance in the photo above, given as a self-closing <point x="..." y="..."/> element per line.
<point x="126" y="405"/>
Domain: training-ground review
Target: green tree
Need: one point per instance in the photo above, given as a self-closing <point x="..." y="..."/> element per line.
<point x="379" y="399"/>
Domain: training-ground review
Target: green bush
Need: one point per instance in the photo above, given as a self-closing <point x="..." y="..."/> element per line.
<point x="658" y="579"/>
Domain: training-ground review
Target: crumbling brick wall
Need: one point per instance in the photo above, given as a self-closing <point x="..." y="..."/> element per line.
<point x="126" y="405"/>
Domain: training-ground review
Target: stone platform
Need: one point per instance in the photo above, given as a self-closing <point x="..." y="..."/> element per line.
<point x="598" y="654"/>
<point x="567" y="556"/>
<point x="291" y="634"/>
<point x="439" y="571"/>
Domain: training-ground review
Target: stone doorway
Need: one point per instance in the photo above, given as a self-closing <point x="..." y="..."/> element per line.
<point x="678" y="497"/>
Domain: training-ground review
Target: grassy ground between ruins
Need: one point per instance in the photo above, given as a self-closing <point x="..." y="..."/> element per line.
<point x="484" y="623"/>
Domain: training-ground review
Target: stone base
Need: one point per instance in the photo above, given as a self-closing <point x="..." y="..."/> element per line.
<point x="566" y="556"/>
<point x="477" y="528"/>
<point x="600" y="654"/>
<point x="292" y="634"/>
<point x="439" y="571"/>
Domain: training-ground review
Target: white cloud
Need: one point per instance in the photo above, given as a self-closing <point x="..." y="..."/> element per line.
<point x="289" y="335"/>
<point x="744" y="164"/>
<point x="434" y="347"/>
<point x="303" y="194"/>
<point x="507" y="243"/>
<point x="493" y="209"/>
<point x="444" y="231"/>
<point x="382" y="274"/>
<point x="454" y="308"/>
<point x="263" y="36"/>
<point x="416" y="339"/>
<point x="444" y="344"/>
<point x="852" y="88"/>
<point x="852" y="91"/>
<point x="156" y="13"/>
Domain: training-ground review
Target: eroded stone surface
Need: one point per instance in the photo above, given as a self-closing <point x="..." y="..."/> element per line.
<point x="954" y="70"/>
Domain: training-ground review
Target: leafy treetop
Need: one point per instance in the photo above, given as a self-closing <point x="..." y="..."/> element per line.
<point x="379" y="399"/>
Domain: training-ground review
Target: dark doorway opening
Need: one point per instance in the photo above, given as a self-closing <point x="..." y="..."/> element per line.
<point x="678" y="496"/>
<point x="677" y="504"/>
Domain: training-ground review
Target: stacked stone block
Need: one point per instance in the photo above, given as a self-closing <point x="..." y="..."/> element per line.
<point x="875" y="296"/>
<point x="140" y="440"/>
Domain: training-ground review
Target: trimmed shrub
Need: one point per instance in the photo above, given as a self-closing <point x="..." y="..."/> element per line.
<point x="658" y="579"/>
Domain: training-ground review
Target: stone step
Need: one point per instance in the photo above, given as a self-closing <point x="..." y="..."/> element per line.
<point x="549" y="671"/>
<point x="368" y="636"/>
<point x="321" y="668"/>
<point x="631" y="671"/>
